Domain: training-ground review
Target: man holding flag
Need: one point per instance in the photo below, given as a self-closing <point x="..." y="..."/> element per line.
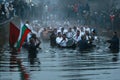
<point x="14" y="33"/>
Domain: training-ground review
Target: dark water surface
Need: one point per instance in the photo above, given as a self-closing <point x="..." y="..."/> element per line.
<point x="63" y="64"/>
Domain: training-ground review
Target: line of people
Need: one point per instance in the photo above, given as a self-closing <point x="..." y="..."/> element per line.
<point x="82" y="37"/>
<point x="73" y="37"/>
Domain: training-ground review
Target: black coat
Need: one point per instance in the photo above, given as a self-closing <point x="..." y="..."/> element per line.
<point x="32" y="51"/>
<point x="83" y="45"/>
<point x="53" y="39"/>
<point x="114" y="44"/>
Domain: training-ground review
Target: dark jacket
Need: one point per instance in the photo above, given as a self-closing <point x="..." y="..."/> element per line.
<point x="32" y="51"/>
<point x="53" y="40"/>
<point x="114" y="44"/>
<point x="83" y="45"/>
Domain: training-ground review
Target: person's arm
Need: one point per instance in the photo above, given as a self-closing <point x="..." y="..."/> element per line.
<point x="109" y="41"/>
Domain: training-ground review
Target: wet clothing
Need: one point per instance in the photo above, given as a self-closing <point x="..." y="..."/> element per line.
<point x="69" y="35"/>
<point x="53" y="40"/>
<point x="114" y="44"/>
<point x="83" y="45"/>
<point x="63" y="43"/>
<point x="32" y="51"/>
<point x="77" y="38"/>
<point x="58" y="40"/>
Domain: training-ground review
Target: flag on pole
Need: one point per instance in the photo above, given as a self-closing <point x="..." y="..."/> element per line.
<point x="23" y="35"/>
<point x="13" y="35"/>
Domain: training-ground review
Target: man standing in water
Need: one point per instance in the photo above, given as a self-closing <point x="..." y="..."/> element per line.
<point x="32" y="50"/>
<point x="114" y="43"/>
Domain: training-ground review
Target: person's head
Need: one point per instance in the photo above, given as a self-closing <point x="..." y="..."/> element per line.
<point x="62" y="29"/>
<point x="82" y="29"/>
<point x="33" y="35"/>
<point x="75" y="28"/>
<point x="27" y="22"/>
<point x="70" y="29"/>
<point x="59" y="34"/>
<point x="115" y="33"/>
<point x="55" y="30"/>
<point x="64" y="36"/>
<point x="86" y="32"/>
<point x="45" y="29"/>
<point x="78" y="32"/>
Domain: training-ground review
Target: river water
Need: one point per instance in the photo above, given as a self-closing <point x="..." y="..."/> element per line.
<point x="63" y="64"/>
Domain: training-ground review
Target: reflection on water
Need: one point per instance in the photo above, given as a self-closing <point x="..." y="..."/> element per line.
<point x="63" y="64"/>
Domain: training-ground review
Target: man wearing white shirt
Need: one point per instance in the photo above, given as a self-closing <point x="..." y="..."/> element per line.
<point x="87" y="29"/>
<point x="64" y="41"/>
<point x="77" y="37"/>
<point x="74" y="30"/>
<point x="59" y="38"/>
<point x="69" y="33"/>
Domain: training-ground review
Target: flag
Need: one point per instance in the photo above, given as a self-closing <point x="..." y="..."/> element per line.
<point x="23" y="34"/>
<point x="13" y="34"/>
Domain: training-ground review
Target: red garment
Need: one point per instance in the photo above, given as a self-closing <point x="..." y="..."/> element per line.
<point x="13" y="34"/>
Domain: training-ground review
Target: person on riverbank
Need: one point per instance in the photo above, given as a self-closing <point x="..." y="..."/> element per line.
<point x="114" y="43"/>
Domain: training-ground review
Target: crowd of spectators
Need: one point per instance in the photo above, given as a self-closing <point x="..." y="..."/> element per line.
<point x="6" y="11"/>
<point x="104" y="18"/>
<point x="78" y="11"/>
<point x="9" y="9"/>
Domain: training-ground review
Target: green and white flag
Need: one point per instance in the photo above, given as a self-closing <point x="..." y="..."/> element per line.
<point x="23" y="34"/>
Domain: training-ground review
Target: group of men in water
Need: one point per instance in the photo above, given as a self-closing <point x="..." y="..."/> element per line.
<point x="83" y="38"/>
<point x="72" y="37"/>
